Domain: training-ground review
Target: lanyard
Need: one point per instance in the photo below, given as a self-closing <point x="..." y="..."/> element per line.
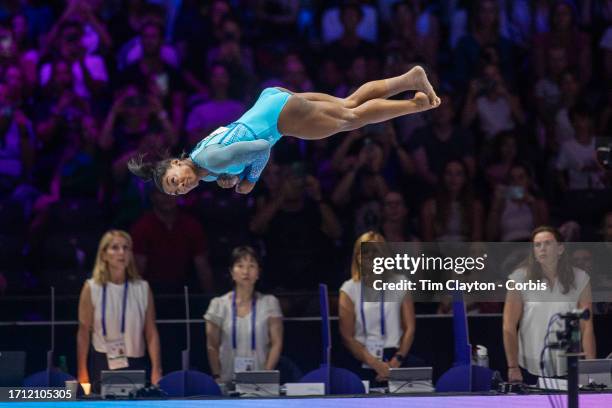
<point x="125" y="291"/>
<point x="382" y="314"/>
<point x="235" y="319"/>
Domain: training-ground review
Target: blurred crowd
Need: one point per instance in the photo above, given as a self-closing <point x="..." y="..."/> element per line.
<point x="85" y="84"/>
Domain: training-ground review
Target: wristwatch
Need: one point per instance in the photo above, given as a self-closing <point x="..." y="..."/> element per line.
<point x="399" y="357"/>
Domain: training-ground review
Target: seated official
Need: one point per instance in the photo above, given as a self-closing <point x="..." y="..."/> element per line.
<point x="116" y="306"/>
<point x="244" y="328"/>
<point x="378" y="334"/>
<point x="527" y="313"/>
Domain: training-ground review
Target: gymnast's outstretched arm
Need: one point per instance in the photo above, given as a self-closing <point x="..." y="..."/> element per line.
<point x="252" y="154"/>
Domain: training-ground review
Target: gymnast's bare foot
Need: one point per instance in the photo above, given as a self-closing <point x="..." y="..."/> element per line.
<point x="422" y="101"/>
<point x="418" y="77"/>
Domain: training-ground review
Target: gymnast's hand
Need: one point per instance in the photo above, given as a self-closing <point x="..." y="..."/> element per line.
<point x="245" y="187"/>
<point x="227" y="180"/>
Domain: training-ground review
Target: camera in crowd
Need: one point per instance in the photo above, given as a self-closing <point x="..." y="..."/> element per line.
<point x="604" y="152"/>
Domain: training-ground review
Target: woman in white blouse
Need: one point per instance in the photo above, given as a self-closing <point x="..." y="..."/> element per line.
<point x="117" y="314"/>
<point x="527" y="313"/>
<point x="378" y="334"/>
<point x="244" y="328"/>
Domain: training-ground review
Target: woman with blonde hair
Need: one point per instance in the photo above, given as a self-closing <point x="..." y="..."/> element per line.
<point x="116" y="314"/>
<point x="378" y="334"/>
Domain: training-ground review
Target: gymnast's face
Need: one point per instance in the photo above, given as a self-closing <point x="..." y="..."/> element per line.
<point x="180" y="178"/>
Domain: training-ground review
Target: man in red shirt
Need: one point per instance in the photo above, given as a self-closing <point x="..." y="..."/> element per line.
<point x="167" y="243"/>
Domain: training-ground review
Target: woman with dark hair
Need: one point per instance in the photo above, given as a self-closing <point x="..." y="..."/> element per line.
<point x="453" y="214"/>
<point x="244" y="328"/>
<point x="235" y="155"/>
<point x="527" y="313"/>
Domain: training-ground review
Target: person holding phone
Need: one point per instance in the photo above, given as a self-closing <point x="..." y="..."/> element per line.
<point x="517" y="207"/>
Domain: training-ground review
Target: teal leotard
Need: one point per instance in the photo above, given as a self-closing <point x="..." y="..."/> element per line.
<point x="243" y="147"/>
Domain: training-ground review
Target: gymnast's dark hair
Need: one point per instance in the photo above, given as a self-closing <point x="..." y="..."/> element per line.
<point x="151" y="170"/>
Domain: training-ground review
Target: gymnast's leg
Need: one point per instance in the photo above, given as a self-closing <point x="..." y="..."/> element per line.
<point x="413" y="80"/>
<point x="311" y="120"/>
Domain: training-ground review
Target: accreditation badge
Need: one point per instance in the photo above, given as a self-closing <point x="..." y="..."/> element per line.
<point x="376" y="348"/>
<point x="116" y="354"/>
<point x="242" y="364"/>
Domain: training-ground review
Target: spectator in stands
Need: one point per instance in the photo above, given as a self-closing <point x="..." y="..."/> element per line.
<point x="154" y="74"/>
<point x="244" y="328"/>
<point x="219" y="110"/>
<point x="15" y="51"/>
<point x="576" y="164"/>
<point x="96" y="39"/>
<point x="527" y="313"/>
<point x="79" y="173"/>
<point x="116" y="315"/>
<point x="517" y="208"/>
<point x="299" y="211"/>
<point x="17" y="143"/>
<point x="440" y="142"/>
<point x="564" y="32"/>
<point x="59" y="108"/>
<point x="563" y="129"/>
<point x="332" y="21"/>
<point x="295" y="76"/>
<point x="236" y="56"/>
<point x="133" y="47"/>
<point x="134" y="115"/>
<point x="168" y="243"/>
<point x="454" y="214"/>
<point x="378" y="335"/>
<point x="547" y="89"/>
<point x="331" y="79"/>
<point x="89" y="73"/>
<point x="396" y="225"/>
<point x="504" y="155"/>
<point x="362" y="188"/>
<point x="278" y="20"/>
<point x="473" y="48"/>
<point x="350" y="45"/>
<point x="491" y="102"/>
<point x="413" y="37"/>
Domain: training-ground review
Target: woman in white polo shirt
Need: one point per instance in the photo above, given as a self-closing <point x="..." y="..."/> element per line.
<point x="244" y="328"/>
<point x="378" y="334"/>
<point x="527" y="313"/>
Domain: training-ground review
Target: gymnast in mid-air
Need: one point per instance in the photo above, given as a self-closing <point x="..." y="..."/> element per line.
<point x="236" y="154"/>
